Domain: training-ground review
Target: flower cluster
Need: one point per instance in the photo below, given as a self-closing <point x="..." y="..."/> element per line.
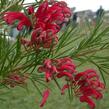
<point x="86" y="85"/>
<point x="45" y="23"/>
<point x="15" y="79"/>
<point x="89" y="87"/>
<point x="57" y="68"/>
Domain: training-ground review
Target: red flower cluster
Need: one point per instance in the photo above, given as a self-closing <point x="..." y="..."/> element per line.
<point x="89" y="86"/>
<point x="45" y="22"/>
<point x="15" y="79"/>
<point x="86" y="85"/>
<point x="57" y="68"/>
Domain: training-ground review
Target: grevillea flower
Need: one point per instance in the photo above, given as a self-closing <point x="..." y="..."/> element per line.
<point x="88" y="100"/>
<point x="90" y="87"/>
<point x="66" y="64"/>
<point x="45" y="97"/>
<point x="11" y="17"/>
<point x="66" y="11"/>
<point x="88" y="74"/>
<point x="86" y="85"/>
<point x="48" y="18"/>
<point x="45" y="23"/>
<point x="58" y="68"/>
<point x="15" y="79"/>
<point x="49" y="69"/>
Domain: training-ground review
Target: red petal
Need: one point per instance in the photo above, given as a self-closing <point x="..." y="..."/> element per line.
<point x="10" y="17"/>
<point x="88" y="74"/>
<point x="88" y="91"/>
<point x="88" y="100"/>
<point x="66" y="86"/>
<point x="45" y="97"/>
<point x="30" y="10"/>
<point x="79" y="75"/>
<point x="67" y="67"/>
<point x="47" y="76"/>
<point x="42" y="10"/>
<point x="64" y="74"/>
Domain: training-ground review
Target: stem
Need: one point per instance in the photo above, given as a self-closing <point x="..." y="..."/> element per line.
<point x="36" y="87"/>
<point x="8" y="7"/>
<point x="89" y="52"/>
<point x="22" y="67"/>
<point x="56" y="83"/>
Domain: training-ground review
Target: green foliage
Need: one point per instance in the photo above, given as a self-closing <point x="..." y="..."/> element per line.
<point x="10" y="5"/>
<point x="91" y="46"/>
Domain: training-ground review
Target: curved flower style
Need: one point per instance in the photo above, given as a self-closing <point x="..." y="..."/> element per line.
<point x="30" y="10"/>
<point x="45" y="97"/>
<point x="49" y="69"/>
<point x="10" y="17"/>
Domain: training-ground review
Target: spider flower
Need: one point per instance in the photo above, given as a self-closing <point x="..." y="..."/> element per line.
<point x="11" y="17"/>
<point x="58" y="68"/>
<point x="90" y="87"/>
<point x="45" y="23"/>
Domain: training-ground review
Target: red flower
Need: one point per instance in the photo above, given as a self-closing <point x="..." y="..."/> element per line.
<point x="98" y="84"/>
<point x="49" y="69"/>
<point x="66" y="65"/>
<point x="88" y="74"/>
<point x="89" y="86"/>
<point x="65" y="10"/>
<point x="57" y="12"/>
<point x="10" y="17"/>
<point x="67" y="74"/>
<point x="45" y="97"/>
<point x="58" y="68"/>
<point x="45" y="22"/>
<point x="30" y="10"/>
<point x="89" y="91"/>
<point x="85" y="84"/>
